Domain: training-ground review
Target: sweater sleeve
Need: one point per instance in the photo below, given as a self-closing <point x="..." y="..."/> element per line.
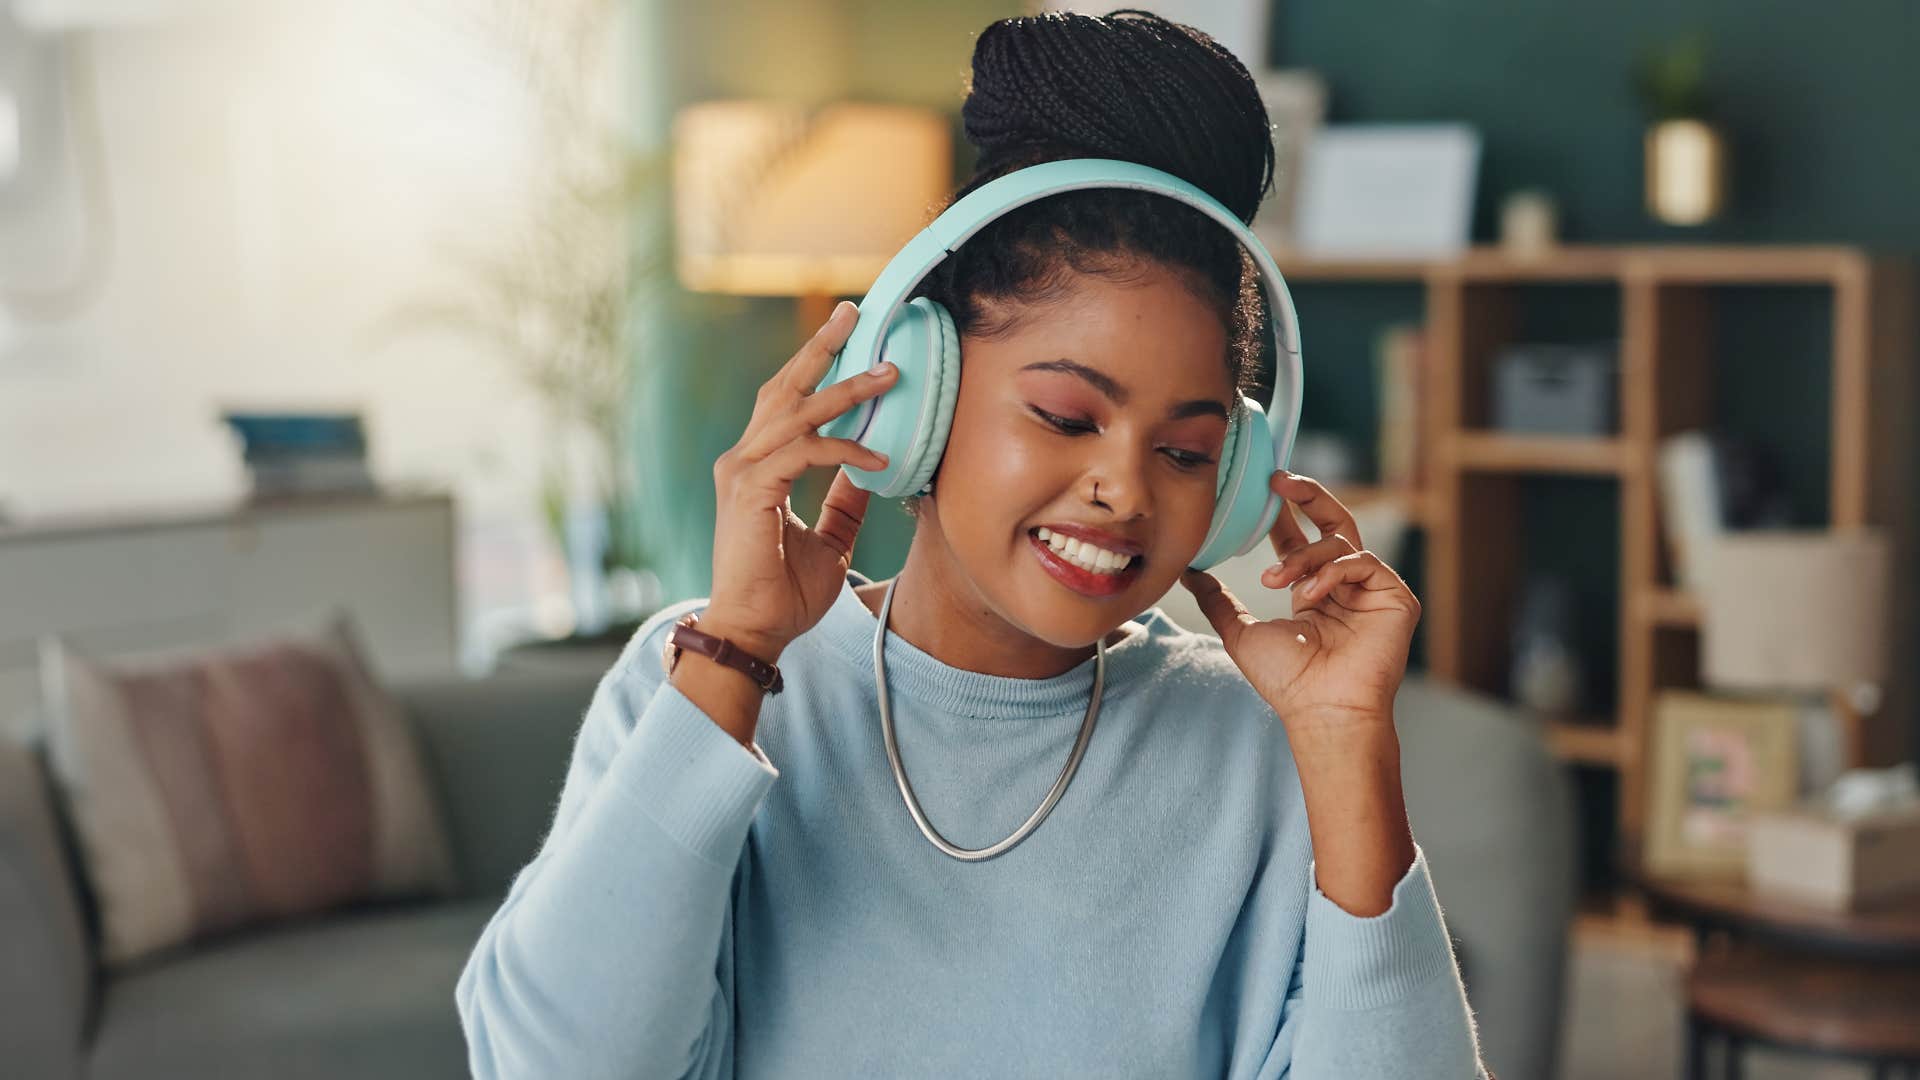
<point x="604" y="958"/>
<point x="1379" y="996"/>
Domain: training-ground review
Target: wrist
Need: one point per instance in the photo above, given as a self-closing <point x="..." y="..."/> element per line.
<point x="718" y="676"/>
<point x="757" y="644"/>
<point x="1341" y="732"/>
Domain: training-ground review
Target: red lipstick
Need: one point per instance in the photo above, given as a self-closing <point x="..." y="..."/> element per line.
<point x="1079" y="579"/>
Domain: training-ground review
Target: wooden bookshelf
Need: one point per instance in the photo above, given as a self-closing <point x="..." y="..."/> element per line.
<point x="1470" y="506"/>
<point x="1477" y="451"/>
<point x="1592" y="740"/>
<point x="1659" y="606"/>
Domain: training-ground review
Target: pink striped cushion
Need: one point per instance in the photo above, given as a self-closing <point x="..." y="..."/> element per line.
<point x="238" y="786"/>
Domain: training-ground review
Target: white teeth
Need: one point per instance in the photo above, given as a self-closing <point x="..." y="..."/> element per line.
<point x="1083" y="554"/>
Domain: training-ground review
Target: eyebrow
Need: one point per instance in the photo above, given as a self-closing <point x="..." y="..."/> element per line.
<point x="1117" y="394"/>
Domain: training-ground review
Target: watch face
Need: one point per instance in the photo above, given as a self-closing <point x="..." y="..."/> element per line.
<point x="670" y="652"/>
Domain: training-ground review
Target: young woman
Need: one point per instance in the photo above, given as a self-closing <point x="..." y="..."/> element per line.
<point x="819" y="881"/>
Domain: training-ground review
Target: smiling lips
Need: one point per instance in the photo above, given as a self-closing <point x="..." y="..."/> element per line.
<point x="1083" y="565"/>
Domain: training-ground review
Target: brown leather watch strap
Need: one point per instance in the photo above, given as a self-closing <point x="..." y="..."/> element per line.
<point x="721" y="651"/>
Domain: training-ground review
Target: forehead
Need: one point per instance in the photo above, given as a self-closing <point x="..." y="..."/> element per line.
<point x="1148" y="329"/>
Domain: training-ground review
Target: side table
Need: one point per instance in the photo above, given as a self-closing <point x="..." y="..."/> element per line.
<point x="1773" y="973"/>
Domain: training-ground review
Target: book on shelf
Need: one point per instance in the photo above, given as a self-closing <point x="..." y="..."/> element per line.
<point x="1399" y="371"/>
<point x="271" y="433"/>
<point x="1712" y="483"/>
<point x="291" y="454"/>
<point x="1689" y="504"/>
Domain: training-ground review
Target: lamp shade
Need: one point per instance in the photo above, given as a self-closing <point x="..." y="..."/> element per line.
<point x="770" y="200"/>
<point x="1796" y="610"/>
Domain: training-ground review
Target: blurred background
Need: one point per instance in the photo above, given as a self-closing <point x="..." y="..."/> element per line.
<point x="414" y="328"/>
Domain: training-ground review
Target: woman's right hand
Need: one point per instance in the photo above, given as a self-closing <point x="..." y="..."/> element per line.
<point x="773" y="577"/>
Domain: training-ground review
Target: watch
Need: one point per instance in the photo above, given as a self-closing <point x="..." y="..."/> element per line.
<point x="685" y="636"/>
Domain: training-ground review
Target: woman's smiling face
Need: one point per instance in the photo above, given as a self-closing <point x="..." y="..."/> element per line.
<point x="1097" y="418"/>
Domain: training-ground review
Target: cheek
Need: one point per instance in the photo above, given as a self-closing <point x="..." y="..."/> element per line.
<point x="996" y="464"/>
<point x="1196" y="512"/>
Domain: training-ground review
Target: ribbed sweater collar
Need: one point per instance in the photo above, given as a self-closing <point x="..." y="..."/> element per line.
<point x="917" y="678"/>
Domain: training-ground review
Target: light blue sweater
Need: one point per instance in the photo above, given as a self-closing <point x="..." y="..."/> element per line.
<point x="701" y="910"/>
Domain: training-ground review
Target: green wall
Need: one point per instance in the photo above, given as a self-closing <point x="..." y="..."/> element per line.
<point x="1816" y="99"/>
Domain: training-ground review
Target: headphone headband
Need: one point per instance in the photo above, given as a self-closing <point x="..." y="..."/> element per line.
<point x="978" y="208"/>
<point x="912" y="420"/>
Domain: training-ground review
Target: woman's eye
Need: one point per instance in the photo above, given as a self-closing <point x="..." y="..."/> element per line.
<point x="1183" y="459"/>
<point x="1070" y="427"/>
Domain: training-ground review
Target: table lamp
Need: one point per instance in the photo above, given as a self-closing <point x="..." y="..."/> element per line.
<point x="772" y="199"/>
<point x="1800" y="611"/>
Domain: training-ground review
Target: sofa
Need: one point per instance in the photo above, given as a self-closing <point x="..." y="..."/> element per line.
<point x="367" y="991"/>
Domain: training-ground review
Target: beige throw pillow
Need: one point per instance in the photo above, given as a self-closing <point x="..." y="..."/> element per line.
<point x="237" y="786"/>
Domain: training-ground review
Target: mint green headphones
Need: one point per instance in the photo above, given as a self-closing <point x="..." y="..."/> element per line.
<point x="909" y="423"/>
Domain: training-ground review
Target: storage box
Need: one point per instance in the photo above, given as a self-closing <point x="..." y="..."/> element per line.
<point x="1809" y="857"/>
<point x="1556" y="389"/>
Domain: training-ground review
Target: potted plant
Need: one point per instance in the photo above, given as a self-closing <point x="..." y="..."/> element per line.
<point x="1686" y="153"/>
<point x="554" y="297"/>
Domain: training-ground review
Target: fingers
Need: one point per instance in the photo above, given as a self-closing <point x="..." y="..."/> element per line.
<point x="1327" y="513"/>
<point x="1223" y="610"/>
<point x="841" y="513"/>
<point x="769" y="480"/>
<point x="807" y="367"/>
<point x="1363" y="582"/>
<point x="1287" y="536"/>
<point x="1304" y="561"/>
<point x="777" y="396"/>
<point x="814" y="410"/>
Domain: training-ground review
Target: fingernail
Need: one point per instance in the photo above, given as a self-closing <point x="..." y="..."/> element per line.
<point x="879" y="367"/>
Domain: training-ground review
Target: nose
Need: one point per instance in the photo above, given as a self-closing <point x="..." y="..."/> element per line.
<point x="1117" y="481"/>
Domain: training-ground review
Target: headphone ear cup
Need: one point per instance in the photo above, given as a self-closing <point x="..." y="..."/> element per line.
<point x="1244" y="506"/>
<point x="909" y="423"/>
<point x="1229" y="450"/>
<point x="941" y="347"/>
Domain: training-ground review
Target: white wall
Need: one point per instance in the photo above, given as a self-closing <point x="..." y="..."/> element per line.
<point x="282" y="177"/>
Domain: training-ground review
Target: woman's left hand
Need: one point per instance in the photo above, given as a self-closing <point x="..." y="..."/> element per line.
<point x="1337" y="664"/>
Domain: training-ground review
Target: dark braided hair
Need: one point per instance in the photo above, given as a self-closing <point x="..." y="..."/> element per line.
<point x="1128" y="85"/>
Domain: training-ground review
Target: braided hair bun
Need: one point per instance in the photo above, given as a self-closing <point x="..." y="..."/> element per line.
<point x="1128" y="85"/>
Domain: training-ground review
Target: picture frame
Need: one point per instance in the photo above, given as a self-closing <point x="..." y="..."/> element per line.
<point x="1388" y="191"/>
<point x="1716" y="761"/>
